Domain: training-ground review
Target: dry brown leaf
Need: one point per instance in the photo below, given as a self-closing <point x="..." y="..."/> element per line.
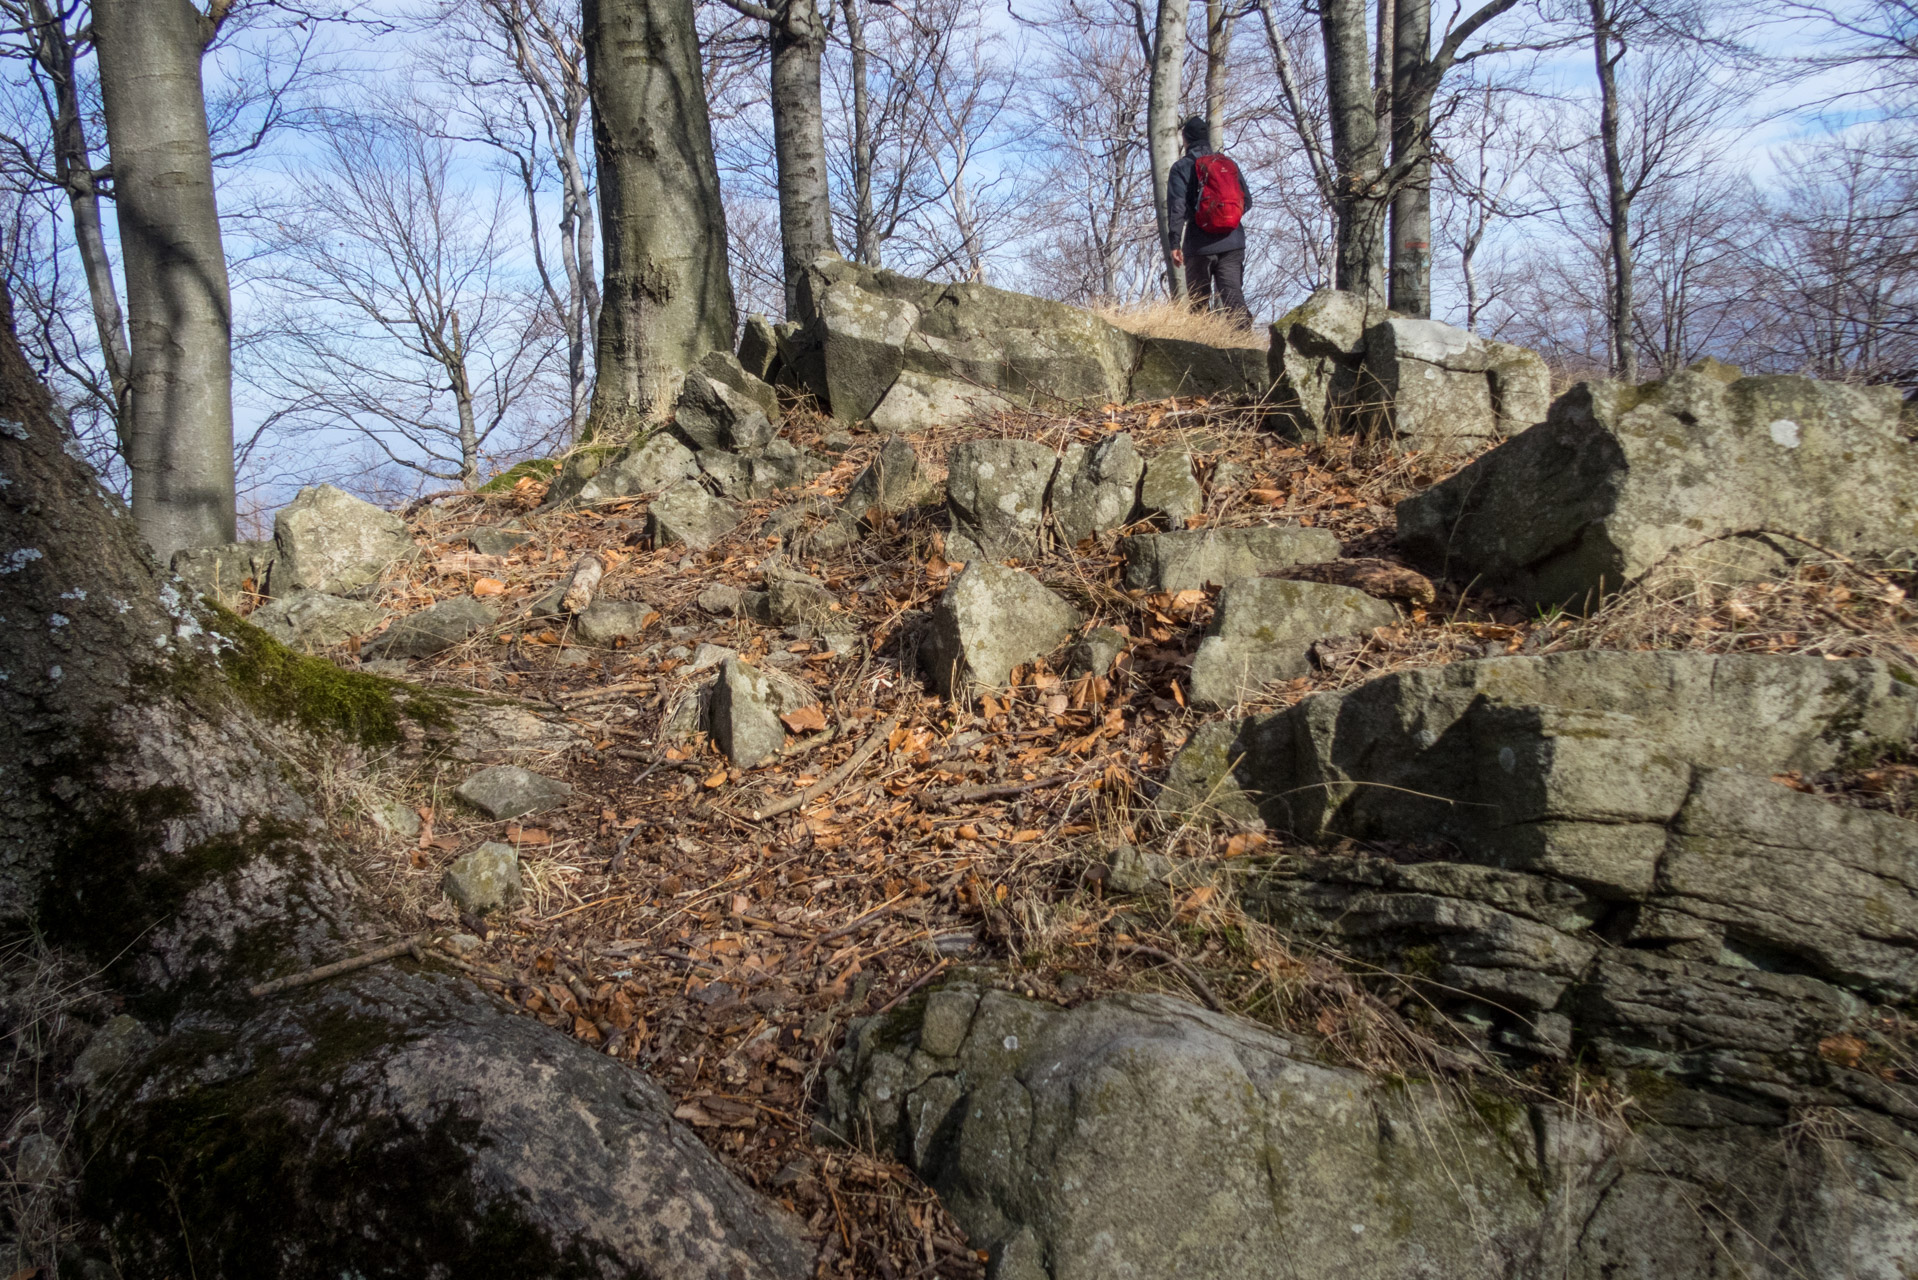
<point x="716" y="779"/>
<point x="488" y="587"/>
<point x="807" y="719"/>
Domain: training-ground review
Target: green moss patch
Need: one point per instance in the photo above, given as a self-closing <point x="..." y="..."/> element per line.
<point x="541" y="469"/>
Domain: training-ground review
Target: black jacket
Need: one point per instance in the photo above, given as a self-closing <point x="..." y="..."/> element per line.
<point x="1182" y="209"/>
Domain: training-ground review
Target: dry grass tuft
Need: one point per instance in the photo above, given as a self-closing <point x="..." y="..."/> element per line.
<point x="1167" y="318"/>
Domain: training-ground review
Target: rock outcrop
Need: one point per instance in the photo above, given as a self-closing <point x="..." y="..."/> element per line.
<point x="1598" y="861"/>
<point x="900" y="352"/>
<point x="1139" y="1136"/>
<point x="1313" y="362"/>
<point x="1620" y="480"/>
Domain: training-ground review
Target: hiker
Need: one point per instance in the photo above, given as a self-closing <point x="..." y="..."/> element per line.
<point x="1205" y="202"/>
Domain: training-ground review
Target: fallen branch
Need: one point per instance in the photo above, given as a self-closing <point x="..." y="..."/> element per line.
<point x="997" y="791"/>
<point x="833" y="779"/>
<point x="325" y="971"/>
<point x="1212" y="1001"/>
<point x="918" y="982"/>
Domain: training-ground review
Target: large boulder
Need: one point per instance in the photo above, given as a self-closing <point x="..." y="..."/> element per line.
<point x="710" y="415"/>
<point x="646" y="466"/>
<point x="990" y="620"/>
<point x="1264" y="629"/>
<point x="1189" y="559"/>
<point x="996" y="495"/>
<point x="856" y="335"/>
<point x="892" y="483"/>
<point x="759" y="349"/>
<point x="1097" y="488"/>
<point x="1175" y="367"/>
<point x="1448" y="389"/>
<point x="1621" y="479"/>
<point x="330" y="541"/>
<point x="687" y="514"/>
<point x="1313" y="362"/>
<point x="1139" y="1136"/>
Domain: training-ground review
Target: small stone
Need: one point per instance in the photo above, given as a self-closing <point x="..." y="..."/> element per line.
<point x="720" y="600"/>
<point x="311" y="621"/>
<point x="1096" y="652"/>
<point x="485" y="879"/>
<point x="497" y="542"/>
<point x="606" y="622"/>
<point x="759" y="348"/>
<point x="395" y="819"/>
<point x="1264" y="628"/>
<point x="687" y="514"/>
<point x="743" y="712"/>
<point x="572" y="658"/>
<point x="433" y="630"/>
<point x="1096" y="489"/>
<point x="797" y="598"/>
<point x="1195" y="558"/>
<point x="507" y="791"/>
<point x="115" y="1047"/>
<point x="37" y="1160"/>
<point x="1169" y="489"/>
<point x="840" y="641"/>
<point x="710" y="655"/>
<point x="464" y="943"/>
<point x="1131" y="871"/>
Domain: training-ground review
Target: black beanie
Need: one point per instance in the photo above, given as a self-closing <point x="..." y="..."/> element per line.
<point x="1195" y="130"/>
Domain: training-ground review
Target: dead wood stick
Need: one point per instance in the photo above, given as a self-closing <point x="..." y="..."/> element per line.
<point x="998" y="791"/>
<point x="1191" y="975"/>
<point x="325" y="971"/>
<point x="917" y="983"/>
<point x="833" y="779"/>
<point x="608" y="691"/>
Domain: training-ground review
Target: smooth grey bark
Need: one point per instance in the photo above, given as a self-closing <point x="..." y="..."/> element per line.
<point x="1218" y="45"/>
<point x="1617" y="200"/>
<point x="1162" y="125"/>
<point x="667" y="300"/>
<point x="178" y="304"/>
<point x="1411" y="231"/>
<point x="798" y="41"/>
<point x="865" y="226"/>
<point x="53" y="53"/>
<point x="1358" y="159"/>
<point x="397" y="1121"/>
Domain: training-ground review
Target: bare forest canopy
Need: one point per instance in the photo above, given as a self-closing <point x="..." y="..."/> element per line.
<point x="410" y="202"/>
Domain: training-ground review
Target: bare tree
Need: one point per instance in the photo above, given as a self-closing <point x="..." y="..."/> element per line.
<point x="178" y="302"/>
<point x="1162" y="122"/>
<point x="398" y="317"/>
<point x="668" y="300"/>
<point x="521" y="65"/>
<point x="1491" y="151"/>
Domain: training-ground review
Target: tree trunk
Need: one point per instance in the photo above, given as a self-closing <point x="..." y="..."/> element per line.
<point x="1162" y="125"/>
<point x="394" y="1121"/>
<point x="667" y="299"/>
<point x="455" y="360"/>
<point x="799" y="141"/>
<point x="1218" y="44"/>
<point x="177" y="299"/>
<point x="865" y="229"/>
<point x="1412" y="158"/>
<point x="1357" y="161"/>
<point x="1618" y="204"/>
<point x="73" y="167"/>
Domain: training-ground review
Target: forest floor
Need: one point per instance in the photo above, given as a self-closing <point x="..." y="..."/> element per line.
<point x="724" y="955"/>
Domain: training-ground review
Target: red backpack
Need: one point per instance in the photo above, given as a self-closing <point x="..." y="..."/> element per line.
<point x="1221" y="194"/>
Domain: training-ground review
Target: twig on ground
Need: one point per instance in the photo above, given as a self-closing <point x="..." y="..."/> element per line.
<point x="325" y="971"/>
<point x="1191" y="975"/>
<point x="833" y="779"/>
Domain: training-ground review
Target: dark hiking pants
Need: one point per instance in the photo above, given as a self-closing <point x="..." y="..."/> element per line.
<point x="1217" y="280"/>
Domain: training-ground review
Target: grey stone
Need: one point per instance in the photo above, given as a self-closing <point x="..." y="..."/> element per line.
<point x="794" y="597"/>
<point x="744" y="709"/>
<point x="917" y="401"/>
<point x="393" y="668"/>
<point x="498" y="542"/>
<point x="1096" y="652"/>
<point x="719" y="599"/>
<point x="572" y="657"/>
<point x="709" y="415"/>
<point x="1263" y="630"/>
<point x="729" y="473"/>
<point x="1619" y="480"/>
<point x="860" y="337"/>
<point x="759" y="348"/>
<point x="310" y="621"/>
<point x="688" y="514"/>
<point x="116" y="1047"/>
<point x="731" y="372"/>
<point x="892" y="483"/>
<point x="433" y="629"/>
<point x="1132" y="870"/>
<point x="996" y="493"/>
<point x="1174" y="367"/>
<point x="647" y="466"/>
<point x="1187" y="559"/>
<point x="1313" y="361"/>
<point x="1170" y="490"/>
<point x="38" y="1160"/>
<point x="990" y="620"/>
<point x="1447" y="389"/>
<point x="395" y="819"/>
<point x="329" y="541"/>
<point x="484" y="879"/>
<point x="1097" y="488"/>
<point x="781" y="466"/>
<point x="223" y="572"/>
<point x="840" y="641"/>
<point x="787" y="522"/>
<point x="507" y="791"/>
<point x="607" y="622"/>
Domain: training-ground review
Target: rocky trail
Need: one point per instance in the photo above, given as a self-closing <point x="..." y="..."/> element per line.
<point x="1001" y="833"/>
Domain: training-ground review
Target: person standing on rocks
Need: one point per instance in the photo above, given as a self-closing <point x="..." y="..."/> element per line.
<point x="1206" y="202"/>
